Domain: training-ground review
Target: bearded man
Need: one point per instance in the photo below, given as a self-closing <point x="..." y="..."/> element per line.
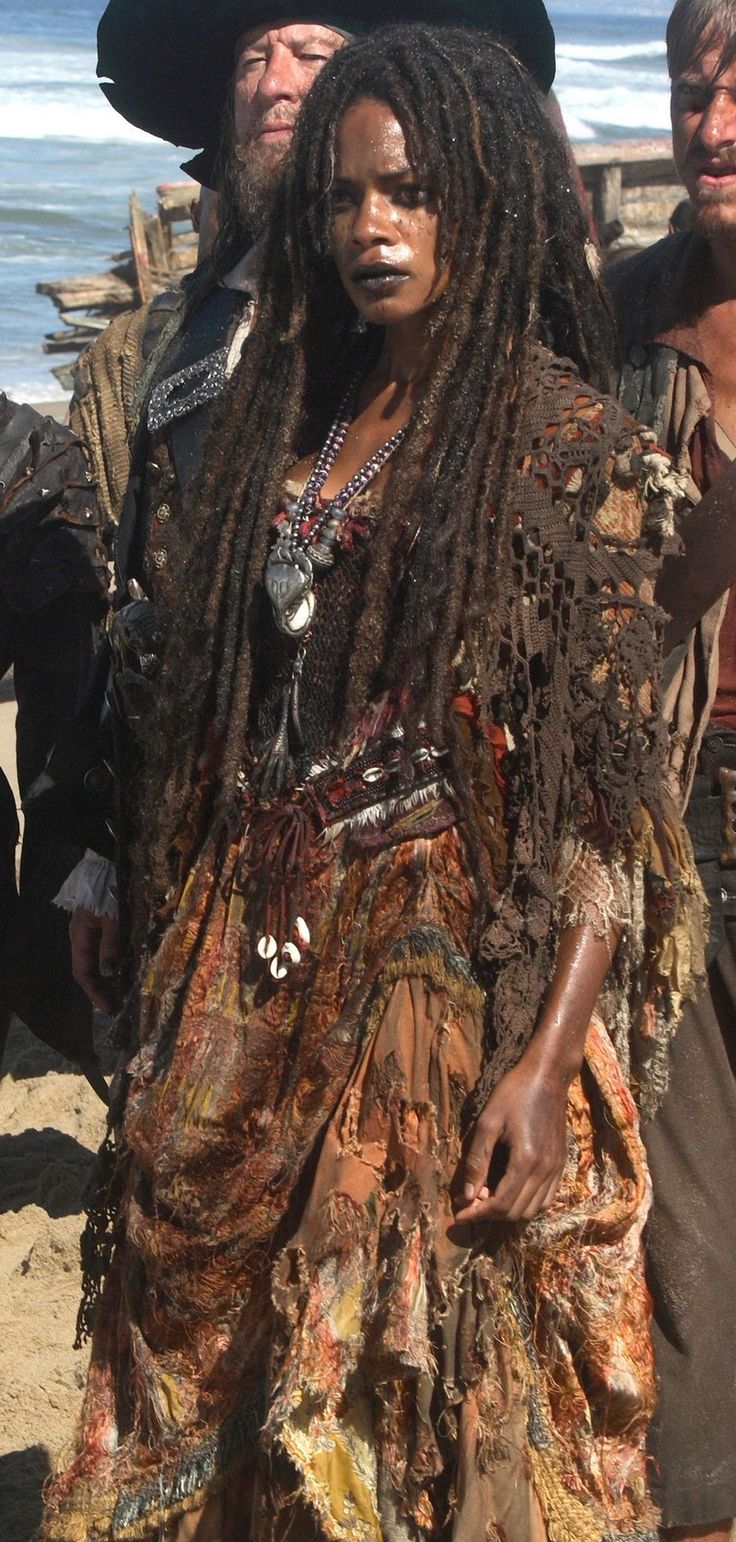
<point x="172" y="74"/>
<point x="677" y="311"/>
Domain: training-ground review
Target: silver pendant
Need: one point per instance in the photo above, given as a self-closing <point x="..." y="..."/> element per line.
<point x="289" y="585"/>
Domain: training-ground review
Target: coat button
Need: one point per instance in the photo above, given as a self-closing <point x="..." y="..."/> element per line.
<point x="163" y="513"/>
<point x="160" y="559"/>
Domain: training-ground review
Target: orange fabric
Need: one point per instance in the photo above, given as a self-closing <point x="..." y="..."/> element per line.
<point x="287" y="1256"/>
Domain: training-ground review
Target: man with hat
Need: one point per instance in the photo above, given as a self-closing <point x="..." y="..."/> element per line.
<point x="231" y="79"/>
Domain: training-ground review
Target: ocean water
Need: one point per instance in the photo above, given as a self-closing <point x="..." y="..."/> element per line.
<point x="68" y="162"/>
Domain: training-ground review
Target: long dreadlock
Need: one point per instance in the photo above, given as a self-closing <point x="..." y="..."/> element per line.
<point x="511" y="224"/>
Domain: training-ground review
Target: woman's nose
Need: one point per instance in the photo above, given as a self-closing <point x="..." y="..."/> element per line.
<point x="372" y="223"/>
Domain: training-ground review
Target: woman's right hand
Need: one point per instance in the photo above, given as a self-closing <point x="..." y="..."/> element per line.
<point x="525" y="1114"/>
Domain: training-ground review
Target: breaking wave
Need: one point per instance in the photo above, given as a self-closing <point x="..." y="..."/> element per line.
<point x="612" y="53"/>
<point x="54" y="94"/>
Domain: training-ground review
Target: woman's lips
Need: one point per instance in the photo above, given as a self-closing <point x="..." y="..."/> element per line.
<point x="378" y="280"/>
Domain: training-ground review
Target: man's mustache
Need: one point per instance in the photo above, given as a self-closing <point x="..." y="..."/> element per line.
<point x="721" y="160"/>
<point x="270" y="121"/>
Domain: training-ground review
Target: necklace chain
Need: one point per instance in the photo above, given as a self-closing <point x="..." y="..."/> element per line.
<point x="294" y="556"/>
<point x="289" y="578"/>
<point x="336" y="507"/>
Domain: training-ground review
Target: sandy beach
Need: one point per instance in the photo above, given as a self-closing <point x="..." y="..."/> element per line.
<point x="50" y="1125"/>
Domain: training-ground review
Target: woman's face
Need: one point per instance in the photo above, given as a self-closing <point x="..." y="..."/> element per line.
<point x="385" y="228"/>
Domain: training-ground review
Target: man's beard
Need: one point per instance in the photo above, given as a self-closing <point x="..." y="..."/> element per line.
<point x="246" y="177"/>
<point x="715" y="213"/>
<point x="252" y="177"/>
<point x="716" y="219"/>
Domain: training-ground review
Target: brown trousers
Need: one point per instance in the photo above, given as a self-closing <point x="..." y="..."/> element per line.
<point x="692" y="1261"/>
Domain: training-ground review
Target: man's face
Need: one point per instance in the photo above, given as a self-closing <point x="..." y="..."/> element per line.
<point x="274" y="70"/>
<point x="704" y="137"/>
<point x="273" y="73"/>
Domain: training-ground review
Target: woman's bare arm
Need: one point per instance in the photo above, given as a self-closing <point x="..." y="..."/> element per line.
<point x="526" y="1112"/>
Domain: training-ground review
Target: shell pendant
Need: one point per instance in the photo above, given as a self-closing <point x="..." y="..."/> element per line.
<point x="289" y="586"/>
<point x="298" y="621"/>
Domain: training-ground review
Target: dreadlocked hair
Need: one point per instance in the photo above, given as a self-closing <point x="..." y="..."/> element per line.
<point x="515" y="238"/>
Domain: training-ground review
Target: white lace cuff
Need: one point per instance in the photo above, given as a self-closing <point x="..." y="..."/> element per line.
<point x="92" y="883"/>
<point x="594" y="892"/>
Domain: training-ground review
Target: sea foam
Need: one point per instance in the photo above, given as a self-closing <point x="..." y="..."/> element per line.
<point x="612" y="53"/>
<point x="54" y="94"/>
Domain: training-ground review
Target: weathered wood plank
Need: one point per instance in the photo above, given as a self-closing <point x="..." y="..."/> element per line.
<point x="141" y="254"/>
<point x="175" y="199"/>
<point x="591" y="152"/>
<point x="87" y="291"/>
<point x="633" y="182"/>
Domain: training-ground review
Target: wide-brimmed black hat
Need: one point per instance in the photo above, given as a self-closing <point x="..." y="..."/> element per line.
<point x="166" y="64"/>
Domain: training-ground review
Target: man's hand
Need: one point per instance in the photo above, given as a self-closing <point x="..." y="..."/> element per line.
<point x="524" y="1118"/>
<point x="95" y="944"/>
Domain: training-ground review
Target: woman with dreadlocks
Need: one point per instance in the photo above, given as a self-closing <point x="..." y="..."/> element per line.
<point x="410" y="914"/>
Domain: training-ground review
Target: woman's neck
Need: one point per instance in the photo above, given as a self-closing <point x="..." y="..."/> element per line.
<point x="408" y="350"/>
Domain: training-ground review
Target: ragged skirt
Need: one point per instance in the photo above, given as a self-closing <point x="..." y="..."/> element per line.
<point x="291" y="1319"/>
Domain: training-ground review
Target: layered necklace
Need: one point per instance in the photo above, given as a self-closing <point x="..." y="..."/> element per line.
<point x="292" y="561"/>
<point x="305" y="546"/>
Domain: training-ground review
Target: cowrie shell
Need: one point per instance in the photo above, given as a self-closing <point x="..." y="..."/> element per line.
<point x="267" y="947"/>
<point x="298" y="620"/>
<point x="290" y="953"/>
<point x="279" y="971"/>
<point x="303" y="933"/>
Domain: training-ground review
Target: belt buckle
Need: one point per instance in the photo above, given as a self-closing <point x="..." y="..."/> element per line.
<point x="727" y="779"/>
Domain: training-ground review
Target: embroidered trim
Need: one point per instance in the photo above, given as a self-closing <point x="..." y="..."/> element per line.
<point x="188" y="388"/>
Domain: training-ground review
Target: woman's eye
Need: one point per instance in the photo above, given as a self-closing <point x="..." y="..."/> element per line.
<point x="411" y="195"/>
<point x="340" y="198"/>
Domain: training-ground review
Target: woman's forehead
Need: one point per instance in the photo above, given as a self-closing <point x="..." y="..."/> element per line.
<point x="369" y="132"/>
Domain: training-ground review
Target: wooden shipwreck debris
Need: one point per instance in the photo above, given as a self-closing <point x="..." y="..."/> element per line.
<point x="632" y="186"/>
<point x="163" y="247"/>
<point x="634" y="190"/>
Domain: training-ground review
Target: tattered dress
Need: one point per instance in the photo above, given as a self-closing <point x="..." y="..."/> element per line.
<point x="290" y="1317"/>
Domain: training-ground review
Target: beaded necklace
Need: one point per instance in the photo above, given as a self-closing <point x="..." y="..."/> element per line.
<point x="291" y="563"/>
<point x="289" y="581"/>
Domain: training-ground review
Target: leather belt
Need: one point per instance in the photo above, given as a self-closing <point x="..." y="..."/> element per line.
<point x="727" y="779"/>
<point x="711" y="822"/>
<point x="714" y="796"/>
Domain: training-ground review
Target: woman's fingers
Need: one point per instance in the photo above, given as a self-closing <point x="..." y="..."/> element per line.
<point x="510" y="1200"/>
<point x="551" y="1191"/>
<point x="522" y="1204"/>
<point x="525" y="1119"/>
<point x="479" y="1155"/>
